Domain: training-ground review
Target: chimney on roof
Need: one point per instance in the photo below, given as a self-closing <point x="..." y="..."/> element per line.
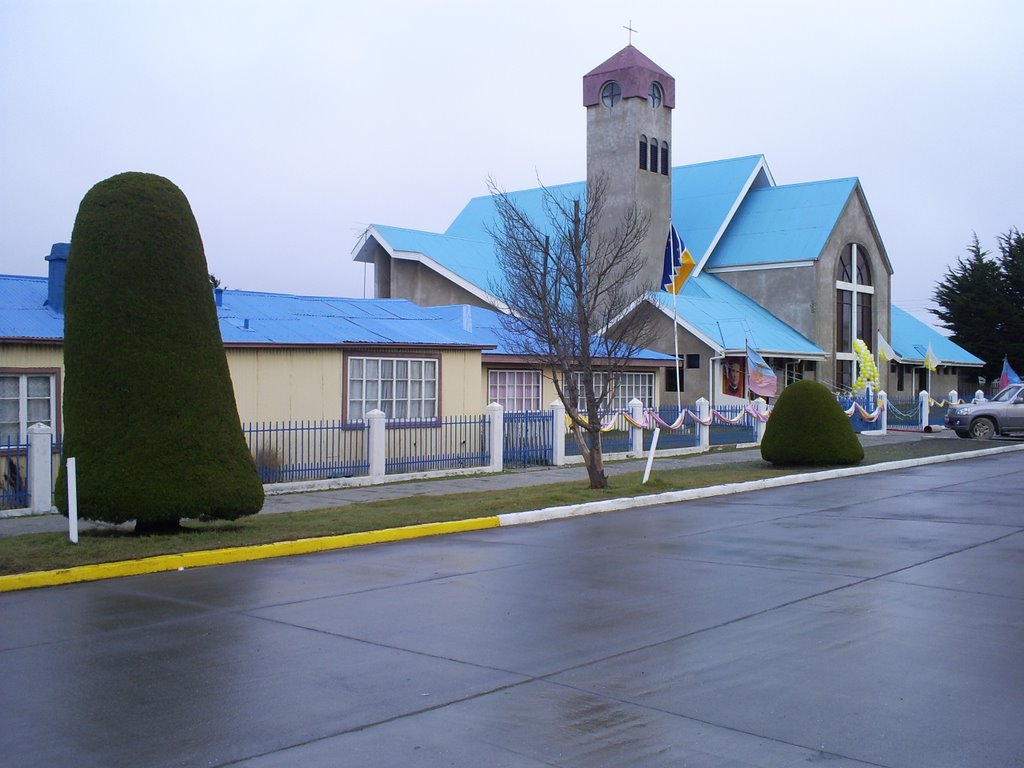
<point x="218" y="295"/>
<point x="58" y="264"/>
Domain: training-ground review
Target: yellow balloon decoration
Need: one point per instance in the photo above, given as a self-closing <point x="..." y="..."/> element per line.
<point x="867" y="370"/>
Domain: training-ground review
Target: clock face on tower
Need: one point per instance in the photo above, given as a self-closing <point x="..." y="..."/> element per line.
<point x="611" y="93"/>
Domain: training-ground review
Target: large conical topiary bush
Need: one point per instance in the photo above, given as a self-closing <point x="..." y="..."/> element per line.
<point x="149" y="410"/>
<point x="808" y="426"/>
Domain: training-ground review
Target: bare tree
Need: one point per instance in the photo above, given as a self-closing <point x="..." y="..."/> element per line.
<point x="565" y="279"/>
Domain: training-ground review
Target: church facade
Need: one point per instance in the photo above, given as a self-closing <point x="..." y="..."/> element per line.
<point x="796" y="272"/>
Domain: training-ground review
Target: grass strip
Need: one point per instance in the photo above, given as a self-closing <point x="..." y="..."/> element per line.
<point x="50" y="551"/>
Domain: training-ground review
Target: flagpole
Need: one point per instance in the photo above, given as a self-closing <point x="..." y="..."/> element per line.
<point x="675" y="341"/>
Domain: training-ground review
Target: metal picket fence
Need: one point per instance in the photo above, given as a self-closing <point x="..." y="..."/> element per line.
<point x="685" y="436"/>
<point x="13" y="475"/>
<point x="527" y="439"/>
<point x="287" y="451"/>
<point x="614" y="440"/>
<point x="904" y="413"/>
<point x="421" y="445"/>
<point x="744" y="430"/>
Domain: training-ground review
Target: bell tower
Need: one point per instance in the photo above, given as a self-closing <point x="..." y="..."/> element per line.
<point x="629" y="101"/>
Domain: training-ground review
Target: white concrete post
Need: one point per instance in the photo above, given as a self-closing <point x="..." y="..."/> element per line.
<point x="922" y="400"/>
<point x="704" y="433"/>
<point x="883" y="403"/>
<point x="636" y="434"/>
<point x="979" y="396"/>
<point x="496" y="436"/>
<point x="953" y="397"/>
<point x="762" y="408"/>
<point x="376" y="448"/>
<point x="557" y="433"/>
<point x="40" y="468"/>
<point x="72" y="467"/>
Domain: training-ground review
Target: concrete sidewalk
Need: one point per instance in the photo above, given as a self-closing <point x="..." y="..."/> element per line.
<point x="506" y="481"/>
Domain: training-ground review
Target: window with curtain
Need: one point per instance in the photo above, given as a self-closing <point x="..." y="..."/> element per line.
<point x="403" y="388"/>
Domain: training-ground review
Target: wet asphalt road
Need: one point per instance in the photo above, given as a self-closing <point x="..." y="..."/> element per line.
<point x="869" y="621"/>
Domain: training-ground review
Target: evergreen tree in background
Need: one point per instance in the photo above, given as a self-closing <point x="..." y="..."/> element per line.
<point x="149" y="410"/>
<point x="980" y="302"/>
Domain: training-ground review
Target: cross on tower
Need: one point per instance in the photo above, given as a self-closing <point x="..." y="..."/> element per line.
<point x="629" y="28"/>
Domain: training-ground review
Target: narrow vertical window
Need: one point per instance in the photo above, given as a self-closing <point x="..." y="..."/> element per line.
<point x="664" y="158"/>
<point x="654" y="155"/>
<point x="643" y="152"/>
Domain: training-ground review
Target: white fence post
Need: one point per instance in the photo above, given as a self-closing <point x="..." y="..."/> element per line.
<point x="377" y="443"/>
<point x="953" y="397"/>
<point x="762" y="408"/>
<point x="636" y="434"/>
<point x="40" y="468"/>
<point x="704" y="432"/>
<point x="883" y="403"/>
<point x="922" y="401"/>
<point x="557" y="433"/>
<point x="496" y="436"/>
<point x="978" y="396"/>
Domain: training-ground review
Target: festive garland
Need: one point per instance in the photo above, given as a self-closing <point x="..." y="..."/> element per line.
<point x="869" y="417"/>
<point x="651" y="418"/>
<point x="867" y="371"/>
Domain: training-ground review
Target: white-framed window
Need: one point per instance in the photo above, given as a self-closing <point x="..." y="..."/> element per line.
<point x="627" y="386"/>
<point x="401" y="387"/>
<point x="514" y="390"/>
<point x="25" y="399"/>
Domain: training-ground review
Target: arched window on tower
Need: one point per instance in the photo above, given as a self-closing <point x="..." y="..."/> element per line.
<point x="664" y="158"/>
<point x="854" y="309"/>
<point x="643" y="152"/>
<point x="654" y="154"/>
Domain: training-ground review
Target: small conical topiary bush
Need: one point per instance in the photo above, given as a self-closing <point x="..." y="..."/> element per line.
<point x="807" y="426"/>
<point x="149" y="409"/>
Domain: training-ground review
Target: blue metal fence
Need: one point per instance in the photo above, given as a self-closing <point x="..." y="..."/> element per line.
<point x="615" y="440"/>
<point x="686" y="436"/>
<point x="13" y="475"/>
<point x="903" y="413"/>
<point x="454" y="442"/>
<point x="287" y="451"/>
<point x="869" y="403"/>
<point x="937" y="413"/>
<point x="528" y="437"/>
<point x="743" y="431"/>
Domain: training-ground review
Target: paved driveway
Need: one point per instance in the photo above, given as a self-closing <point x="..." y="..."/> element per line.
<point x="876" y="620"/>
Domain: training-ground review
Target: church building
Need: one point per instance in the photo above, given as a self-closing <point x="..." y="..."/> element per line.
<point x="796" y="272"/>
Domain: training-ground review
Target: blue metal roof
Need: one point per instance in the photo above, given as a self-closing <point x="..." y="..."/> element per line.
<point x="485" y="326"/>
<point x="715" y="310"/>
<point x="911" y="337"/>
<point x="783" y="223"/>
<point x="273" y="319"/>
<point x="23" y="310"/>
<point x="703" y="194"/>
<point x="473" y="261"/>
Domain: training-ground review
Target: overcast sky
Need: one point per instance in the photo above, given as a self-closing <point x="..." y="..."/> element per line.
<point x="291" y="126"/>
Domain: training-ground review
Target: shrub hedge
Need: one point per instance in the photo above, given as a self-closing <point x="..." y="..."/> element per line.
<point x="807" y="426"/>
<point x="149" y="409"/>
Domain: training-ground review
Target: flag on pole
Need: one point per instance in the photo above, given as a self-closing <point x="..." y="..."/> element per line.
<point x="1008" y="376"/>
<point x="679" y="262"/>
<point x="762" y="379"/>
<point x="885" y="352"/>
<point x="931" y="362"/>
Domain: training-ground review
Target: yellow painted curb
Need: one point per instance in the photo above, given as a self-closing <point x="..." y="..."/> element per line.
<point x="235" y="554"/>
